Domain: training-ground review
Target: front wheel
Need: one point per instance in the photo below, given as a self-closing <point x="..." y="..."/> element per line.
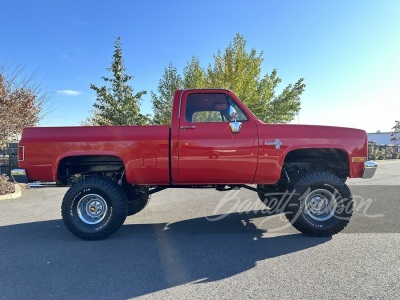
<point x="270" y="195"/>
<point x="321" y="204"/>
<point x="94" y="208"/>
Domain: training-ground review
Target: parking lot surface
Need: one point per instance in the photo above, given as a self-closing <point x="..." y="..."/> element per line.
<point x="202" y="244"/>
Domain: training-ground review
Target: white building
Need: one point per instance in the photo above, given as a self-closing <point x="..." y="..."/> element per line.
<point x="383" y="138"/>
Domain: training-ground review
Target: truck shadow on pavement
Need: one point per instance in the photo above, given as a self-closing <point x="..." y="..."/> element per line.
<point x="43" y="260"/>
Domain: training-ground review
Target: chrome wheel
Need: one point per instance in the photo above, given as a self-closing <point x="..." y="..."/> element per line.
<point x="92" y="209"/>
<point x="320" y="205"/>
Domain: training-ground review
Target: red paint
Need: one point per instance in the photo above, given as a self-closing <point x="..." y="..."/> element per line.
<point x="207" y="154"/>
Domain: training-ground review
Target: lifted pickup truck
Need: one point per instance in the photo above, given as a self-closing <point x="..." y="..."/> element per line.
<point x="214" y="141"/>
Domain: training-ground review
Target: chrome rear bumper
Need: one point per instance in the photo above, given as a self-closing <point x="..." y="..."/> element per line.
<point x="19" y="175"/>
<point x="369" y="169"/>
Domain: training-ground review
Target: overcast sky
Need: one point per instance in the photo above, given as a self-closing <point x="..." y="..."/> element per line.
<point x="347" y="51"/>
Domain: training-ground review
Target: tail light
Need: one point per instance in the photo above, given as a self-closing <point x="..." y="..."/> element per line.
<point x="21" y="153"/>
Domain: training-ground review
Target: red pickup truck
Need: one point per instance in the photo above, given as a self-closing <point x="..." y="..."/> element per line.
<point x="214" y="141"/>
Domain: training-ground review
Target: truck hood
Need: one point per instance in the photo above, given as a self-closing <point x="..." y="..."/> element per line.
<point x="308" y="136"/>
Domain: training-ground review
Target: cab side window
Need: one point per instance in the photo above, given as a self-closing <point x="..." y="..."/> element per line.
<point x="207" y="116"/>
<point x="207" y="108"/>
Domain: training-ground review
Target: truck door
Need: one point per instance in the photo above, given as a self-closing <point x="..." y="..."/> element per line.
<point x="209" y="152"/>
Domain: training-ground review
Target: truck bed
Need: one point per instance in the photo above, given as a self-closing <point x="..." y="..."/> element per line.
<point x="144" y="150"/>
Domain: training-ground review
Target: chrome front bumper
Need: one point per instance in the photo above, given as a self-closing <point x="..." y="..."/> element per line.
<point x="369" y="169"/>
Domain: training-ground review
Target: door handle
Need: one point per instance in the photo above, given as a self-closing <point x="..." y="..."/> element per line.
<point x="187" y="127"/>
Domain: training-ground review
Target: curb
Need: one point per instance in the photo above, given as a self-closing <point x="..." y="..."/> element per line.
<point x="14" y="195"/>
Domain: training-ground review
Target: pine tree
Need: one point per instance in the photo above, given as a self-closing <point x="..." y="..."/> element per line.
<point x="117" y="104"/>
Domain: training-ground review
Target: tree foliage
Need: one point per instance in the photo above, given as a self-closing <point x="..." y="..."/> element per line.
<point x="395" y="133"/>
<point x="22" y="103"/>
<point x="117" y="104"/>
<point x="238" y="70"/>
<point x="194" y="76"/>
<point x="162" y="103"/>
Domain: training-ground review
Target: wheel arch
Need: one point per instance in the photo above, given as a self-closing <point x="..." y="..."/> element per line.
<point x="320" y="158"/>
<point x="82" y="162"/>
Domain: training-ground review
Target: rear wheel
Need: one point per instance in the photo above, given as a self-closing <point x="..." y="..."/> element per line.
<point x="94" y="208"/>
<point x="137" y="198"/>
<point x="321" y="205"/>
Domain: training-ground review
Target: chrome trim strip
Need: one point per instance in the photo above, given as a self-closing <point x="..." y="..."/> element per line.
<point x="188" y="127"/>
<point x="180" y="104"/>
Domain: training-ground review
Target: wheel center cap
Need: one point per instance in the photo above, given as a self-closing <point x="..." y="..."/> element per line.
<point x="318" y="205"/>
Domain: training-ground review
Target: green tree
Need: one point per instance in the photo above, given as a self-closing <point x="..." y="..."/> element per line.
<point x="194" y="76"/>
<point x="238" y="70"/>
<point x="162" y="103"/>
<point x="117" y="104"/>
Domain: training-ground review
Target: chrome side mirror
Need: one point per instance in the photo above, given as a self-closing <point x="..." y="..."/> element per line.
<point x="232" y="113"/>
<point x="235" y="126"/>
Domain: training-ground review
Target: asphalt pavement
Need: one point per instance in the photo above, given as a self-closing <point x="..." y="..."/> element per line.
<point x="202" y="244"/>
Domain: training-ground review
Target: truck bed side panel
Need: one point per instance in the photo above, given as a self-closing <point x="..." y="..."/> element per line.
<point x="143" y="150"/>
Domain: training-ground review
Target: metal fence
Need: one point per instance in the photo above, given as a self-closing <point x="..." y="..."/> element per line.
<point x="8" y="160"/>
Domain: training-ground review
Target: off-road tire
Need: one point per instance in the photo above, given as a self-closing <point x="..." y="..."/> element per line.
<point x="306" y="211"/>
<point x="137" y="205"/>
<point x="137" y="199"/>
<point x="271" y="196"/>
<point x="94" y="208"/>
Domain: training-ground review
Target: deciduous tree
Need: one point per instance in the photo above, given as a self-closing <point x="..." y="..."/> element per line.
<point x="22" y="102"/>
<point x="240" y="71"/>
